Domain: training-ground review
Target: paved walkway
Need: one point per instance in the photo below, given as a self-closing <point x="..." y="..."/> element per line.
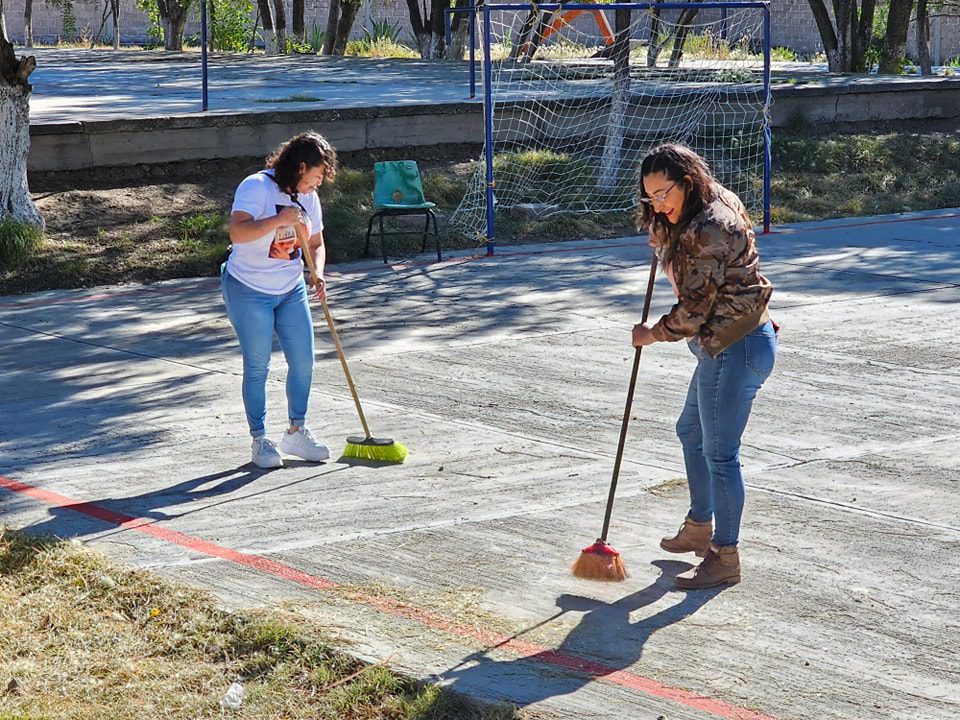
<point x="121" y="426"/>
<point x="101" y="85"/>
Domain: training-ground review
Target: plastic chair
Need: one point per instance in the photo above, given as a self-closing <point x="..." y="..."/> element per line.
<point x="397" y="190"/>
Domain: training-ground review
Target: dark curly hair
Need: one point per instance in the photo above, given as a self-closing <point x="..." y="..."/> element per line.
<point x="309" y="148"/>
<point x="681" y="165"/>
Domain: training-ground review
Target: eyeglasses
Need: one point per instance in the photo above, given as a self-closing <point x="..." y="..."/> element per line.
<point x="660" y="197"/>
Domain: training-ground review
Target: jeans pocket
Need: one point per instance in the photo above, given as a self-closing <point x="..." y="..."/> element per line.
<point x="761" y="351"/>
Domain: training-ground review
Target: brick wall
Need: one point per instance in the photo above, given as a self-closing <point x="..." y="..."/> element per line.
<point x="792" y="26"/>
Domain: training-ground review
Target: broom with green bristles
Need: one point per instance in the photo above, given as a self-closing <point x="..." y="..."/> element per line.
<point x="600" y="561"/>
<point x="365" y="447"/>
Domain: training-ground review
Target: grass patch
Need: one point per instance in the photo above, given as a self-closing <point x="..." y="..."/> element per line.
<point x="19" y="242"/>
<point x="857" y="174"/>
<point x="379" y="47"/>
<point x="84" y="639"/>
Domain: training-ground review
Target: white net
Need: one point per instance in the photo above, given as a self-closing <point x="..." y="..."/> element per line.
<point x="574" y="113"/>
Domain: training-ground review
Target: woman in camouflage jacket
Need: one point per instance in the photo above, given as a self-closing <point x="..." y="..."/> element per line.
<point x="705" y="242"/>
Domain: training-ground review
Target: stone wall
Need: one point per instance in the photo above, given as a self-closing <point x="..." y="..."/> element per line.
<point x="793" y="25"/>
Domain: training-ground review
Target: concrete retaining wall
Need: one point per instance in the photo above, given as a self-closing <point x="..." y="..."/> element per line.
<point x="77" y="145"/>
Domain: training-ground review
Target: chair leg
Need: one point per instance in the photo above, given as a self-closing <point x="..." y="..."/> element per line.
<point x="436" y="233"/>
<point x="366" y="245"/>
<point x="426" y="230"/>
<point x="383" y="240"/>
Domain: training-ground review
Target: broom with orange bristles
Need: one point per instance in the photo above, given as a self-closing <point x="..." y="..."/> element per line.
<point x="600" y="561"/>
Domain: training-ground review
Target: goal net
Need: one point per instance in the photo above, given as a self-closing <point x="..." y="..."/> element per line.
<point x="576" y="94"/>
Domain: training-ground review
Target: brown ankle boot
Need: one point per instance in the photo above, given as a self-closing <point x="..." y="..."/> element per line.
<point x="692" y="536"/>
<point x="720" y="566"/>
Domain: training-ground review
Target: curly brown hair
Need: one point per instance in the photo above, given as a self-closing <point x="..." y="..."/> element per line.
<point x="309" y="148"/>
<point x="681" y="165"/>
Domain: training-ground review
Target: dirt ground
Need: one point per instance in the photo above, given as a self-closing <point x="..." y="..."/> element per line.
<point x="120" y="225"/>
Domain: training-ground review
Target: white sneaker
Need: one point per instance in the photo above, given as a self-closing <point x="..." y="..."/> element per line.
<point x="304" y="445"/>
<point x="265" y="453"/>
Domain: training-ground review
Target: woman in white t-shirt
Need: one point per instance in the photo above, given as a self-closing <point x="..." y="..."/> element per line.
<point x="264" y="290"/>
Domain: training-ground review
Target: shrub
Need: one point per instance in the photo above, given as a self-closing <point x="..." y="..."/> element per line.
<point x="18" y="242"/>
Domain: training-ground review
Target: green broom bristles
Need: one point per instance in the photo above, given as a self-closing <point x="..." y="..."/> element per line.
<point x="376" y="449"/>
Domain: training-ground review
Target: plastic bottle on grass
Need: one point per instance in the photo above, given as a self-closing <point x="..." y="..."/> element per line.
<point x="233" y="698"/>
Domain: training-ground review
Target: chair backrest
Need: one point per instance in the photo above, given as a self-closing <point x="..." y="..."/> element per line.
<point x="397" y="182"/>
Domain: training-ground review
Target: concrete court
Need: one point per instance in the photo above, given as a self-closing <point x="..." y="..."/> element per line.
<point x="506" y="378"/>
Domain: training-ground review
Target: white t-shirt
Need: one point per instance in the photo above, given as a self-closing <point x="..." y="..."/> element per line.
<point x="265" y="264"/>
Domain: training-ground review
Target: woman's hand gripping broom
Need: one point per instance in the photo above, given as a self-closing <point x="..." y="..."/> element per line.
<point x="600" y="561"/>
<point x="364" y="446"/>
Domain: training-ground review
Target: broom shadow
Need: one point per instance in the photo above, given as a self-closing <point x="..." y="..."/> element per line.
<point x="605" y="641"/>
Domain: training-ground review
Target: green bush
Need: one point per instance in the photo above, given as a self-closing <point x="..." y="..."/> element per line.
<point x="18" y="243"/>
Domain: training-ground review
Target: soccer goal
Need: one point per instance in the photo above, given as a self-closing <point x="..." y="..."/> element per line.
<point x="575" y="95"/>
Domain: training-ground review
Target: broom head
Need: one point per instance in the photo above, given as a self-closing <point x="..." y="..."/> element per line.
<point x="383" y="450"/>
<point x="600" y="562"/>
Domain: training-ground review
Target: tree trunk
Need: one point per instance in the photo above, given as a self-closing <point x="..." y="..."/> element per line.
<point x="173" y="20"/>
<point x="265" y="8"/>
<point x="280" y="26"/>
<point x="429" y="31"/>
<point x="416" y="24"/>
<point x="864" y="35"/>
<point x="619" y="104"/>
<point x="343" y="13"/>
<point x="299" y="29"/>
<point x="656" y="43"/>
<point x="115" y="11"/>
<point x="28" y="23"/>
<point x="923" y="38"/>
<point x="683" y="29"/>
<point x="330" y="36"/>
<point x="348" y="15"/>
<point x="459" y="33"/>
<point x="894" y="47"/>
<point x="15" y="200"/>
<point x="828" y="35"/>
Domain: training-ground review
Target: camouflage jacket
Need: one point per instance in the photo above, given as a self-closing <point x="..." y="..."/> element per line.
<point x="721" y="295"/>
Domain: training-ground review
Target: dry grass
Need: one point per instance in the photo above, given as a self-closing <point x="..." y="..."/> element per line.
<point x="83" y="639"/>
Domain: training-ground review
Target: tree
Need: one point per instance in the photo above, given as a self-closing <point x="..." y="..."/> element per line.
<point x="923" y="38"/>
<point x="619" y="103"/>
<point x="846" y="45"/>
<point x="298" y="11"/>
<point x="459" y="30"/>
<point x="428" y="29"/>
<point x="173" y="21"/>
<point x="15" y="200"/>
<point x="28" y="23"/>
<point x="343" y="13"/>
<point x="894" y="46"/>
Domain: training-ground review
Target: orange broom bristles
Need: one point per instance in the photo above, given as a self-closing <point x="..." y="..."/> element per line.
<point x="600" y="562"/>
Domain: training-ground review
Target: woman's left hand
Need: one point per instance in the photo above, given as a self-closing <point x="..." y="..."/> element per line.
<point x="643" y="335"/>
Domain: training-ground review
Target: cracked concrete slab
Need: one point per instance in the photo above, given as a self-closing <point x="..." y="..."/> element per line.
<point x="121" y="426"/>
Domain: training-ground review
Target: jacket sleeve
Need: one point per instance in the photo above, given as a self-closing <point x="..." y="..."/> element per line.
<point x="701" y="277"/>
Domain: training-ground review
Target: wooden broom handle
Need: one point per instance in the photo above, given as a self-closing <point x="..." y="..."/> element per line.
<point x="629" y="404"/>
<point x="307" y="253"/>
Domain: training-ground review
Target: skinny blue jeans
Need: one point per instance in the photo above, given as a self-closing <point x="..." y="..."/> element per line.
<point x="714" y="416"/>
<point x="255" y="317"/>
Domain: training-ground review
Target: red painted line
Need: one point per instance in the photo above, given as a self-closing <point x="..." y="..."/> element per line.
<point x="429" y="619"/>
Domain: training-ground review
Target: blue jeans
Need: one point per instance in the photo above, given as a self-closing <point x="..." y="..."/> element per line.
<point x="714" y="416"/>
<point x="256" y="316"/>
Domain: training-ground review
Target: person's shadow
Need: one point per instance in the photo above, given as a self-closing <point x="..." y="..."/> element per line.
<point x="605" y="641"/>
<point x="105" y="514"/>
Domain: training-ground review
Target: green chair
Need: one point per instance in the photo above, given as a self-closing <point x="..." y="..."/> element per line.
<point x="397" y="190"/>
